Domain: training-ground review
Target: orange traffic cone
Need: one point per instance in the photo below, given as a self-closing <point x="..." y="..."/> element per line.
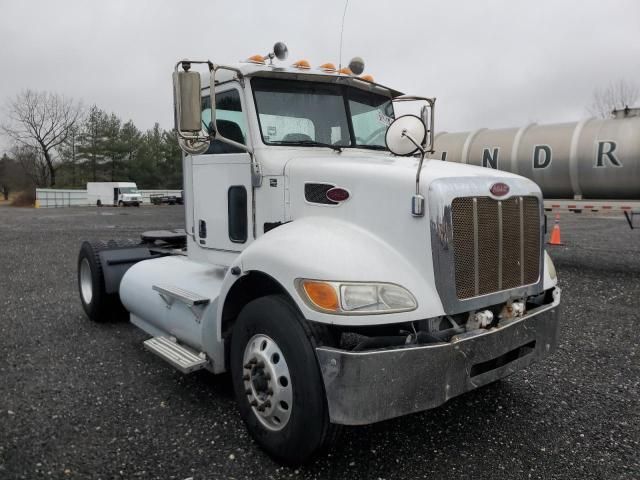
<point x="555" y="232"/>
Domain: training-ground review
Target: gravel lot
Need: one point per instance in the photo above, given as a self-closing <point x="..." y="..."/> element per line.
<point x="81" y="400"/>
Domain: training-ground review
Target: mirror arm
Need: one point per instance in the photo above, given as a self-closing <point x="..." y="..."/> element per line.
<point x="212" y="131"/>
<point x="422" y="153"/>
<point x="417" y="202"/>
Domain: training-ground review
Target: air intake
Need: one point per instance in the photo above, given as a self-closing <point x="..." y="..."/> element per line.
<point x="317" y="193"/>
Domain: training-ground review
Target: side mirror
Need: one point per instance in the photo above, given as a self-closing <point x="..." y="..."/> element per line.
<point x="186" y="100"/>
<point x="406" y="135"/>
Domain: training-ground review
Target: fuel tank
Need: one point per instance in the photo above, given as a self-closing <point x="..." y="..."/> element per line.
<point x="593" y="158"/>
<point x="163" y="314"/>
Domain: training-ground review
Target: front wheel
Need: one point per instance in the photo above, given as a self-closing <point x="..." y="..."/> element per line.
<point x="277" y="380"/>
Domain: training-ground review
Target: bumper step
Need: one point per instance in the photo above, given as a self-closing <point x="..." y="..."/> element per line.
<point x="182" y="358"/>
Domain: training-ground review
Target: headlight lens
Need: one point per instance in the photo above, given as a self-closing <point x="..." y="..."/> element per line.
<point x="356" y="298"/>
<point x="551" y="268"/>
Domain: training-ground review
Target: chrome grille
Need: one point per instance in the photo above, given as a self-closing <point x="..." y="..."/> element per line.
<point x="496" y="244"/>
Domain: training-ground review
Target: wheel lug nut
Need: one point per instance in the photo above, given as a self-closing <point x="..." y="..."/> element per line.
<point x="260" y="364"/>
<point x="246" y="377"/>
<point x="269" y="392"/>
<point x="254" y="403"/>
<point x="267" y="404"/>
<point x="250" y="363"/>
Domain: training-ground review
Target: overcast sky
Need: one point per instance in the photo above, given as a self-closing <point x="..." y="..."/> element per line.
<point x="497" y="63"/>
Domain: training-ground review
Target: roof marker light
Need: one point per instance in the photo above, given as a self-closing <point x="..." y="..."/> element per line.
<point x="303" y="64"/>
<point x="256" y="59"/>
<point x="345" y="71"/>
<point x="367" y="77"/>
<point x="328" y="67"/>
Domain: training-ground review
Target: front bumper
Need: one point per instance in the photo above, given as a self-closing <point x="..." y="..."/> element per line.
<point x="367" y="387"/>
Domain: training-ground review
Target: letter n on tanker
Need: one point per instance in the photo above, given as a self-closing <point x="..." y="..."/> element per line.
<point x="489" y="160"/>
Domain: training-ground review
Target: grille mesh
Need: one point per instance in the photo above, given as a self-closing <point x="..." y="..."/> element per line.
<point x="317" y="193"/>
<point x="496" y="244"/>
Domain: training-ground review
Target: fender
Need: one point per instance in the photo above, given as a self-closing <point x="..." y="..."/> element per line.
<point x="116" y="261"/>
<point x="324" y="248"/>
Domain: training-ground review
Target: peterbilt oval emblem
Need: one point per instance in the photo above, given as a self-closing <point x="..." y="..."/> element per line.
<point x="499" y="189"/>
<point x="337" y="194"/>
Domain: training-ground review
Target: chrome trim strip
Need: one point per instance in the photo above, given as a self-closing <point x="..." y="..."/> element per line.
<point x="521" y="202"/>
<point x="476" y="248"/>
<point x="500" y="245"/>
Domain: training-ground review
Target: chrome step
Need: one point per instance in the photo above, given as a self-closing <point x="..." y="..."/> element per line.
<point x="181" y="357"/>
<point x="185" y="296"/>
<point x="194" y="301"/>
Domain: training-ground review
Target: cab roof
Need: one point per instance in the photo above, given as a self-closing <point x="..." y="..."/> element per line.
<point x="251" y="69"/>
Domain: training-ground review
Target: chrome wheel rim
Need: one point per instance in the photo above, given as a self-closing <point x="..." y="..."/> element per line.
<point x="86" y="283"/>
<point x="267" y="382"/>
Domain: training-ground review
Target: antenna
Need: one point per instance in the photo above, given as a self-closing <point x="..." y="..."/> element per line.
<point x="344" y="14"/>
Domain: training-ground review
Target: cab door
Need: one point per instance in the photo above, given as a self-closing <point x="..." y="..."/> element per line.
<point x="222" y="179"/>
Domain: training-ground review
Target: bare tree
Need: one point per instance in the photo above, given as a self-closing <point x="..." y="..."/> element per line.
<point x="42" y="121"/>
<point x="616" y="96"/>
<point x="33" y="163"/>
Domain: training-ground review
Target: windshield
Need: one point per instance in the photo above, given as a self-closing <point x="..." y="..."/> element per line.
<point x="293" y="112"/>
<point x="128" y="190"/>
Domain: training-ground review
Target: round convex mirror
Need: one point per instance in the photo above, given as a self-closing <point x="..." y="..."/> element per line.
<point x="398" y="133"/>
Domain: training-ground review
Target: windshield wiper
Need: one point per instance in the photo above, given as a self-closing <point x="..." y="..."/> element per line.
<point x="312" y="143"/>
<point x="372" y="147"/>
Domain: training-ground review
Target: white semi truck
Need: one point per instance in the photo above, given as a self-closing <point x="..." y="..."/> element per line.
<point x="338" y="276"/>
<point x="117" y="194"/>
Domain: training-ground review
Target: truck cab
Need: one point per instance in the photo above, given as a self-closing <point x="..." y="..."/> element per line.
<point x="340" y="277"/>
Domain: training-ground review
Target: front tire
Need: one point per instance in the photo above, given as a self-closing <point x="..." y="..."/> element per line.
<point x="277" y="380"/>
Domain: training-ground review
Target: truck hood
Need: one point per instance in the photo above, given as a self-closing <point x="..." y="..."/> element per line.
<point x="378" y="185"/>
<point x="379" y="204"/>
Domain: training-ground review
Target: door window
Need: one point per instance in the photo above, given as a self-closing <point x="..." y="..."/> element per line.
<point x="230" y="121"/>
<point x="237" y="201"/>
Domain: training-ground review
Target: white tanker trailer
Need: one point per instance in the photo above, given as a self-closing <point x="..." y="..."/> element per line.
<point x="594" y="159"/>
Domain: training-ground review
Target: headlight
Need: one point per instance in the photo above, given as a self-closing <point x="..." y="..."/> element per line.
<point x="355" y="298"/>
<point x="551" y="268"/>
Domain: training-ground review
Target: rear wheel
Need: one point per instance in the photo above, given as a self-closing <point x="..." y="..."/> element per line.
<point x="277" y="380"/>
<point x="99" y="305"/>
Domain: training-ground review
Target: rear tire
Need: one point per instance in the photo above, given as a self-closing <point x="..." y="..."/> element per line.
<point x="271" y="333"/>
<point x="99" y="305"/>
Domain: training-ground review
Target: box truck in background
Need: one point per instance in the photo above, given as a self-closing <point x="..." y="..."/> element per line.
<point x="117" y="194"/>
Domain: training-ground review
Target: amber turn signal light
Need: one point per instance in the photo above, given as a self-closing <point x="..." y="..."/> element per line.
<point x="323" y="295"/>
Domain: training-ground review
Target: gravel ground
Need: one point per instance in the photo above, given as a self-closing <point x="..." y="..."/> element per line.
<point x="81" y="400"/>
